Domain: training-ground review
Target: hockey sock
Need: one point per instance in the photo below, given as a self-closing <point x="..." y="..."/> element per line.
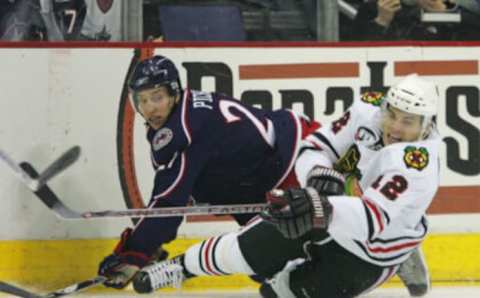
<point x="217" y="256"/>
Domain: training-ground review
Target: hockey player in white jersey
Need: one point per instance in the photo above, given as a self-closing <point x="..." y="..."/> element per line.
<point x="316" y="240"/>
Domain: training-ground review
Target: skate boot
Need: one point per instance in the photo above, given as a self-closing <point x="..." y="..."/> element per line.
<point x="169" y="273"/>
<point x="414" y="274"/>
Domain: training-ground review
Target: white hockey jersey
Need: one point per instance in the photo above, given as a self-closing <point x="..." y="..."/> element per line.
<point x="390" y="187"/>
<point x="103" y="20"/>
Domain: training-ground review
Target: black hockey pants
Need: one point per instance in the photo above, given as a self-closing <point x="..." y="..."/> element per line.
<point x="331" y="272"/>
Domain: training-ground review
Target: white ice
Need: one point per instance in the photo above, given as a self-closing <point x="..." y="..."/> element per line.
<point x="436" y="292"/>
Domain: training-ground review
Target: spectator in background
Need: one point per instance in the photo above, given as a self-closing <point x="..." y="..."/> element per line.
<point x="346" y="17"/>
<point x="299" y="22"/>
<point x="401" y="20"/>
<point x="21" y="20"/>
<point x="263" y="20"/>
<point x="103" y="21"/>
<point x="11" y="26"/>
<point x="52" y="20"/>
<point x="61" y="20"/>
<point x="470" y="5"/>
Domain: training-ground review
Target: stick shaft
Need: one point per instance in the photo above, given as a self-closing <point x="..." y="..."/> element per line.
<point x="18" y="171"/>
<point x="178" y="211"/>
<point x="14" y="290"/>
<point x="55" y="204"/>
<point x="75" y="288"/>
<point x="71" y="289"/>
<point x="56" y="167"/>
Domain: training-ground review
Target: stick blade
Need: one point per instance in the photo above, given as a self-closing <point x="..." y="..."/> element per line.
<point x="49" y="198"/>
<point x="60" y="164"/>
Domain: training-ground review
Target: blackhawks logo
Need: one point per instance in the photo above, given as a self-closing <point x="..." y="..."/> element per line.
<point x="373" y="98"/>
<point x="416" y="158"/>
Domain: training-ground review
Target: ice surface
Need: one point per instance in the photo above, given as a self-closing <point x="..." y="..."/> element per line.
<point x="436" y="292"/>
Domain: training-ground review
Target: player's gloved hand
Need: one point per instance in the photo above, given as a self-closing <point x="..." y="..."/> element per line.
<point x="121" y="266"/>
<point x="326" y="181"/>
<point x="297" y="211"/>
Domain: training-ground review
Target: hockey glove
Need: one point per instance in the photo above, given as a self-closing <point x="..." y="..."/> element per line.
<point x="297" y="211"/>
<point x="326" y="181"/>
<point x="121" y="266"/>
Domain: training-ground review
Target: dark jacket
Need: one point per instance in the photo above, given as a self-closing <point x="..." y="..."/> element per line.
<point x="407" y="25"/>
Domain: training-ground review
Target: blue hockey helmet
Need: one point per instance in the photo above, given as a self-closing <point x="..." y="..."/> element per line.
<point x="152" y="73"/>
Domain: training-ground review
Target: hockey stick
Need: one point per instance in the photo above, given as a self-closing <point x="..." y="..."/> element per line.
<point x="75" y="288"/>
<point x="174" y="211"/>
<point x="72" y="289"/>
<point x="50" y="199"/>
<point x="34" y="184"/>
<point x="56" y="167"/>
<point x="14" y="290"/>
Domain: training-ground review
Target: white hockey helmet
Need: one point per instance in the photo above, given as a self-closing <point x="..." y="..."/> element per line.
<point x="417" y="96"/>
<point x="414" y="95"/>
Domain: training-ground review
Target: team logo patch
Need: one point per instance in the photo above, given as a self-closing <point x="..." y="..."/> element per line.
<point x="162" y="138"/>
<point x="347" y="164"/>
<point x="374" y="98"/>
<point x="104" y="5"/>
<point x="416" y="158"/>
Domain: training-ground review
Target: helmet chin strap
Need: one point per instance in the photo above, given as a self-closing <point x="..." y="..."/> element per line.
<point x="133" y="100"/>
<point x="427" y="125"/>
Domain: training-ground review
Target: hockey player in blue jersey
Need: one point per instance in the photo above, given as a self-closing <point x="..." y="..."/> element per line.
<point x="204" y="146"/>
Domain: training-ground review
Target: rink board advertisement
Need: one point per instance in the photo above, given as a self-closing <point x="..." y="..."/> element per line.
<point x="52" y="99"/>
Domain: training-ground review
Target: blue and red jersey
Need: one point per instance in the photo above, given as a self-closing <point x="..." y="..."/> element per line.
<point x="214" y="149"/>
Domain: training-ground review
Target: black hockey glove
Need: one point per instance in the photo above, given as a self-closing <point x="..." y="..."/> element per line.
<point x="297" y="211"/>
<point x="326" y="181"/>
<point x="121" y="266"/>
